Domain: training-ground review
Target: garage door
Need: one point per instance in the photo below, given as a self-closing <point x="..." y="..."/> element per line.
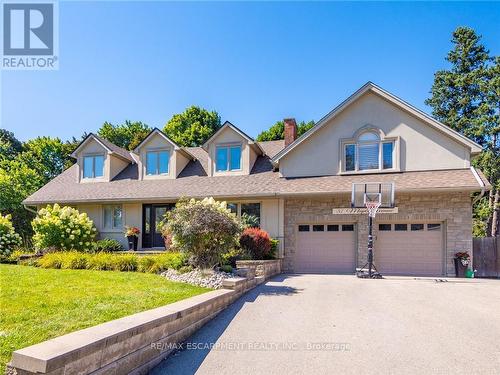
<point x="325" y="248"/>
<point x="409" y="249"/>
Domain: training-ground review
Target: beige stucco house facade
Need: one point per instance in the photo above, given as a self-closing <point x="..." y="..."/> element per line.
<point x="296" y="186"/>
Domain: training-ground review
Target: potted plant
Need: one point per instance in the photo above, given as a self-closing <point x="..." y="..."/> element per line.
<point x="132" y="234"/>
<point x="462" y="260"/>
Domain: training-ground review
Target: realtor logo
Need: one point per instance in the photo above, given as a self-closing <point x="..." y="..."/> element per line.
<point x="29" y="35"/>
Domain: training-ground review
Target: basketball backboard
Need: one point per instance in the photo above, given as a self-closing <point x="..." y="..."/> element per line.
<point x="373" y="191"/>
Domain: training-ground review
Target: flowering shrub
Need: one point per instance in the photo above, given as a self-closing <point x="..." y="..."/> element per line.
<point x="132" y="231"/>
<point x="256" y="242"/>
<point x="63" y="228"/>
<point x="8" y="237"/>
<point x="205" y="229"/>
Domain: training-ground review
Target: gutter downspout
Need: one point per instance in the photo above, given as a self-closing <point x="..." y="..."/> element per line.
<point x="481" y="183"/>
<point x="28" y="208"/>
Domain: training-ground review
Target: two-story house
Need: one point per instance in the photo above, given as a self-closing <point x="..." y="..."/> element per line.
<point x="294" y="186"/>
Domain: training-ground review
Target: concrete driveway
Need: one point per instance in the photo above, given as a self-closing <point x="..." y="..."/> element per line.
<point x="325" y="324"/>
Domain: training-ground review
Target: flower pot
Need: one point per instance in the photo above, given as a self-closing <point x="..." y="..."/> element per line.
<point x="132" y="242"/>
<point x="460" y="269"/>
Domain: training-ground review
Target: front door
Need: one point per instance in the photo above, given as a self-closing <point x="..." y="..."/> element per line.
<point x="152" y="215"/>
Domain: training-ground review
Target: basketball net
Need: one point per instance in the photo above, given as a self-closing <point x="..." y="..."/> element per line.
<point x="372" y="208"/>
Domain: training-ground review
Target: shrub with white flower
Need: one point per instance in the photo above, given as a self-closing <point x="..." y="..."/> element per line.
<point x="63" y="228"/>
<point x="8" y="236"/>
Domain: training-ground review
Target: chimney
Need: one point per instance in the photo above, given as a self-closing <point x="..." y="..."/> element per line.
<point x="290" y="130"/>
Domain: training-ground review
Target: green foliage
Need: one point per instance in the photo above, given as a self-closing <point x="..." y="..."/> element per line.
<point x="112" y="262"/>
<point x="226" y="268"/>
<point x="204" y="229"/>
<point x="256" y="242"/>
<point x="162" y="262"/>
<point x="277" y="131"/>
<point x="9" y="239"/>
<point x="10" y="146"/>
<point x="18" y="181"/>
<point x="192" y="127"/>
<point x="233" y="255"/>
<point x="126" y="262"/>
<point x="127" y="135"/>
<point x="107" y="245"/>
<point x="465" y="97"/>
<point x="274" y="248"/>
<point x="250" y="221"/>
<point x="457" y="93"/>
<point x="63" y="228"/>
<point x="185" y="269"/>
<point x="47" y="156"/>
<point x="24" y="169"/>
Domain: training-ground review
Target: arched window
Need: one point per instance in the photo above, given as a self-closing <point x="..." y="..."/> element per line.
<point x="368" y="152"/>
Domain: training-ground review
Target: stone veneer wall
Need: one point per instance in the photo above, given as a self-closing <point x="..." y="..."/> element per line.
<point x="454" y="210"/>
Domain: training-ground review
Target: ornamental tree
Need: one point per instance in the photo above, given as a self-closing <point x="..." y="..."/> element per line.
<point x="205" y="229"/>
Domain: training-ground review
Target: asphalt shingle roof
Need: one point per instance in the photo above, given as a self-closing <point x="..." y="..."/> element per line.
<point x="261" y="182"/>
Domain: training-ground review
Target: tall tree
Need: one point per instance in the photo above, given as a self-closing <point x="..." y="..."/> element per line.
<point x="127" y="135"/>
<point x="10" y="146"/>
<point x="47" y="156"/>
<point x="192" y="127"/>
<point x="466" y="98"/>
<point x="277" y="131"/>
<point x="31" y="166"/>
<point x="18" y="181"/>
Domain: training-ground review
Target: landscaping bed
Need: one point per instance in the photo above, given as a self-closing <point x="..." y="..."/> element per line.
<point x="40" y="304"/>
<point x="208" y="279"/>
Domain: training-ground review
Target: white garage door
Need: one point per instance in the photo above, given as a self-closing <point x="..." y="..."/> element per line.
<point x="409" y="249"/>
<point x="325" y="248"/>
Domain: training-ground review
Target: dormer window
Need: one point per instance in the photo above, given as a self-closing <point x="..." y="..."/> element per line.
<point x="157" y="162"/>
<point x="368" y="153"/>
<point x="93" y="166"/>
<point x="228" y="158"/>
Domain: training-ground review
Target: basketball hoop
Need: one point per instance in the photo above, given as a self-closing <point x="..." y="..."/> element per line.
<point x="372" y="208"/>
<point x="371" y="196"/>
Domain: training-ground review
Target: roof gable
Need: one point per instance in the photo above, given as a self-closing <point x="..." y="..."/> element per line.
<point x="108" y="146"/>
<point x="161" y="134"/>
<point x="399" y="103"/>
<point x="228" y="125"/>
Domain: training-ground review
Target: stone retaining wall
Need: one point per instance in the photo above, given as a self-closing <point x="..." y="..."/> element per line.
<point x="264" y="268"/>
<point x="133" y="344"/>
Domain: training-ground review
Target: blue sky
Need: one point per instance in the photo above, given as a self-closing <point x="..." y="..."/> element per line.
<point x="255" y="63"/>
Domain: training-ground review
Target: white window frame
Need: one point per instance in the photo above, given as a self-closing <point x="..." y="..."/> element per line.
<point x="228" y="147"/>
<point x="355" y="141"/>
<point x="157" y="151"/>
<point x="93" y="156"/>
<point x="112" y="228"/>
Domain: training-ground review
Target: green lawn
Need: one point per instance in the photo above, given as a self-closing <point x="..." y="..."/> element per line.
<point x="39" y="304"/>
